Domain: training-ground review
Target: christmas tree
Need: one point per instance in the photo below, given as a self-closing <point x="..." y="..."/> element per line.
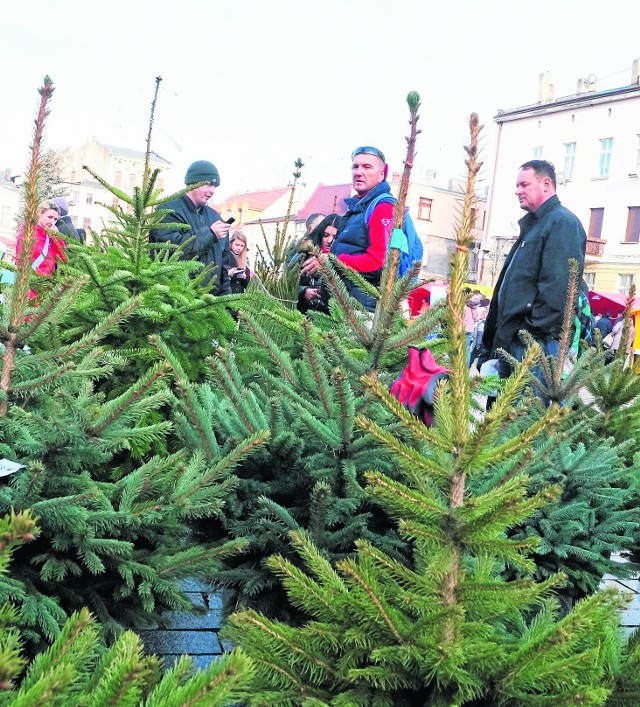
<point x="114" y="519"/>
<point x="79" y="669"/>
<point x="300" y="379"/>
<point x="451" y="627"/>
<point x="122" y="264"/>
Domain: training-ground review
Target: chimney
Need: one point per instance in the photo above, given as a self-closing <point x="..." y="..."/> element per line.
<point x="635" y="73"/>
<point x="581" y="88"/>
<point x="546" y="90"/>
<point x="7" y="174"/>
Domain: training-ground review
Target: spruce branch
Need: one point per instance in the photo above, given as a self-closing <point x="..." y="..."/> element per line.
<point x="329" y="267"/>
<point x="390" y="271"/>
<point x="281" y="358"/>
<point x="147" y="155"/>
<point x="189" y="399"/>
<point x="350" y="569"/>
<point x="112" y="410"/>
<point x="322" y="384"/>
<point x="19" y="293"/>
<point x="226" y="464"/>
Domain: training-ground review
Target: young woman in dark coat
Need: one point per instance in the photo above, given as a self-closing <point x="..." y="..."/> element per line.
<point x="319" y="240"/>
<point x="239" y="273"/>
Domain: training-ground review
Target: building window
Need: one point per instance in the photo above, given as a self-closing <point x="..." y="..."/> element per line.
<point x="118" y="179"/>
<point x="632" y="234"/>
<point x="115" y="202"/>
<point x="569" y="155"/>
<point x="160" y="183"/>
<point x="595" y="223"/>
<point x="424" y="209"/>
<point x="6" y="216"/>
<point x="590" y="279"/>
<point x="76" y="197"/>
<point x="86" y="223"/>
<point x="537" y="152"/>
<point x="132" y="180"/>
<point x="625" y="280"/>
<point x="606" y="147"/>
<point x="89" y="199"/>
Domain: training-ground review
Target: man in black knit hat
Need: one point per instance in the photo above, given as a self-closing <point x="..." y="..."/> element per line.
<point x="209" y="234"/>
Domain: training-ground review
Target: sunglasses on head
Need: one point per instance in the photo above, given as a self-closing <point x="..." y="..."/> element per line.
<point x="368" y="150"/>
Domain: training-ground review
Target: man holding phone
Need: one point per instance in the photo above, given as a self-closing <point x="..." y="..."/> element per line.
<point x="209" y="234"/>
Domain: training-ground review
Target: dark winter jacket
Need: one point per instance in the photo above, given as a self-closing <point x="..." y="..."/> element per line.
<point x="604" y="325"/>
<point x="239" y="280"/>
<point x="65" y="225"/>
<point x="205" y="247"/>
<point x="531" y="292"/>
<point x="353" y="233"/>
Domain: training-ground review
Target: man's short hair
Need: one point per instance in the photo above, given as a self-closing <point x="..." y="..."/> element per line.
<point x="311" y="219"/>
<point x="543" y="168"/>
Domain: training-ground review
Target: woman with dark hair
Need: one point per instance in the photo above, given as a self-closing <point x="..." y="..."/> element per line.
<point x="319" y="240"/>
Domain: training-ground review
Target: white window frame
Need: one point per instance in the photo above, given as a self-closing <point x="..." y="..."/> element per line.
<point x="569" y="157"/>
<point x="604" y="163"/>
<point x="625" y="280"/>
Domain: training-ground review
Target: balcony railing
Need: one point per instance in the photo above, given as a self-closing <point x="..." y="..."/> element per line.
<point x="595" y="246"/>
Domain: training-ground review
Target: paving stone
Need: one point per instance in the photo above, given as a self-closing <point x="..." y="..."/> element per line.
<point x="211" y="620"/>
<point x="181" y="642"/>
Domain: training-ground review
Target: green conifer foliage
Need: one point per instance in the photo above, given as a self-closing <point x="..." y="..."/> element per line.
<point x="78" y="668"/>
<point x="448" y="628"/>
<point x="595" y="518"/>
<point x="274" y="274"/>
<point x="121" y="264"/>
<point x="114" y="522"/>
<point x="300" y="380"/>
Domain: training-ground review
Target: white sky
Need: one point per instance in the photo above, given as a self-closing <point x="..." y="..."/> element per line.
<point x="252" y="85"/>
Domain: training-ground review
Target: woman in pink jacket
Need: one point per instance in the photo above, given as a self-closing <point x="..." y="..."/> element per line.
<point x="48" y="249"/>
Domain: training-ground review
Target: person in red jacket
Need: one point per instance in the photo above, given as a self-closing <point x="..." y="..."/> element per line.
<point x="48" y="250"/>
<point x="362" y="244"/>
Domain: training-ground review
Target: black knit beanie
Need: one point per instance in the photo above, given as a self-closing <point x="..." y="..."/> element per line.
<point x="202" y="171"/>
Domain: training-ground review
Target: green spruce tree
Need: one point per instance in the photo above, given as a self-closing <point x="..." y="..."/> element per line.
<point x="300" y="379"/>
<point x="79" y="669"/>
<point x="114" y="519"/>
<point x="448" y="628"/>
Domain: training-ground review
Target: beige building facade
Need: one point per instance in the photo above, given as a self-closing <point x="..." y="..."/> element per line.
<point x="120" y="167"/>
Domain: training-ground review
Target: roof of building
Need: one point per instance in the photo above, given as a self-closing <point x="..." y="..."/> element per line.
<point x="571" y="101"/>
<point x="255" y="200"/>
<point x="135" y="154"/>
<point x="326" y="199"/>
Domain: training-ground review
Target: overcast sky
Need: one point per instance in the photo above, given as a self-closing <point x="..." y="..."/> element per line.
<point x="253" y="85"/>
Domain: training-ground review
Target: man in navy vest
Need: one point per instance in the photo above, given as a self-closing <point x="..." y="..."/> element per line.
<point x="360" y="245"/>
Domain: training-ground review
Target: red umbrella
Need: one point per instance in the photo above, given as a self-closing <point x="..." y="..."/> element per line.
<point x="610" y="302"/>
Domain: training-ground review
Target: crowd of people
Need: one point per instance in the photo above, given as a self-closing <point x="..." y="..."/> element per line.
<point x="529" y="294"/>
<point x="359" y="244"/>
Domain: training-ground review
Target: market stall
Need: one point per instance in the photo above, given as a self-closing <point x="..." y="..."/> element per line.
<point x="613" y="303"/>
